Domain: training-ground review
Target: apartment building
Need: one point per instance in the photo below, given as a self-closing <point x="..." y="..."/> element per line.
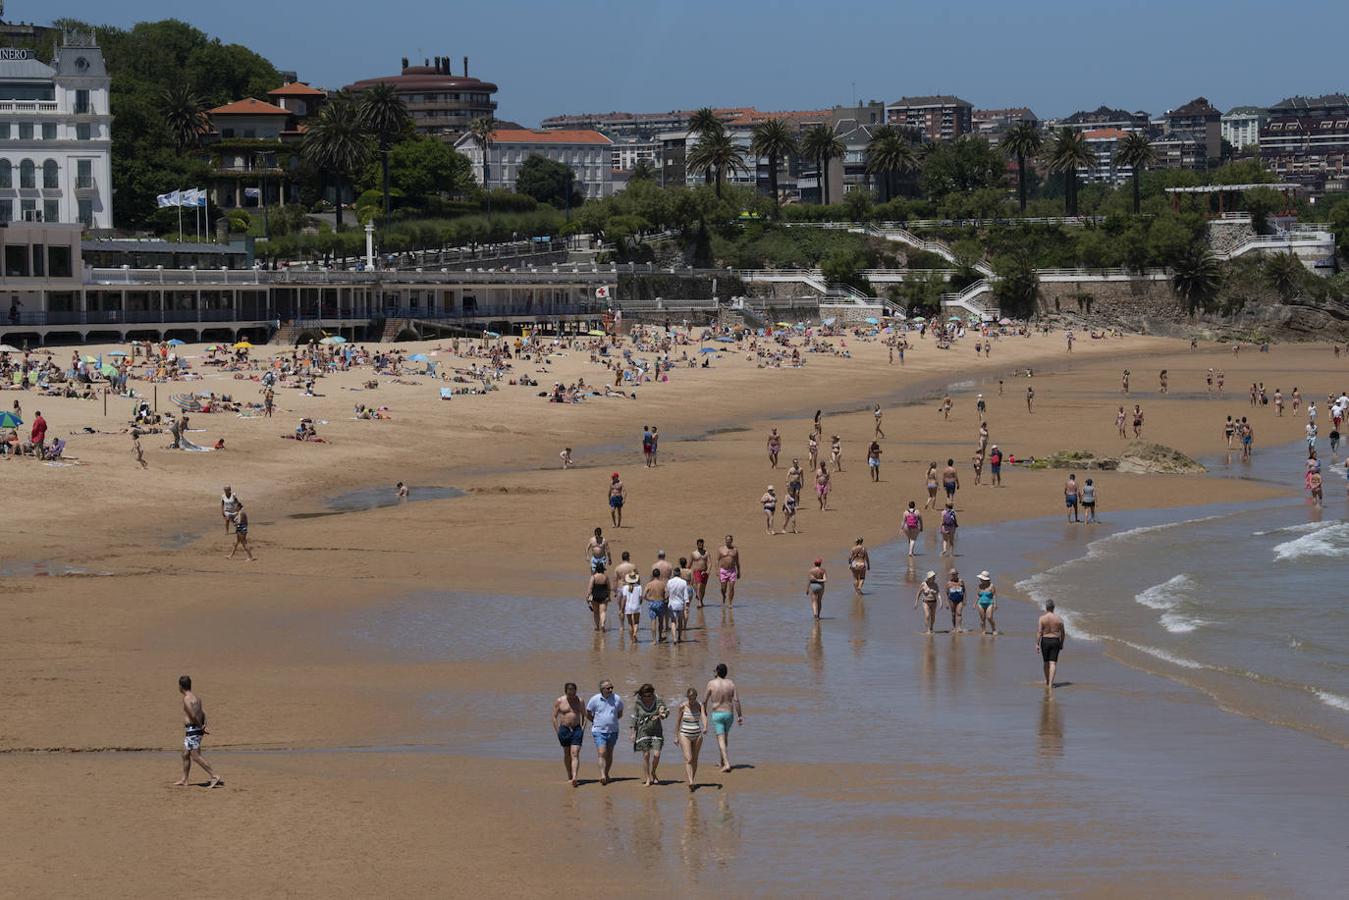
<point x="441" y="103"/>
<point x="1306" y="139"/>
<point x="1240" y="126"/>
<point x="1199" y="123"/>
<point x="1104" y="144"/>
<point x="55" y="135"/>
<point x="1105" y="117"/>
<point x="588" y="153"/>
<point x="938" y="118"/>
<point x="992" y="124"/>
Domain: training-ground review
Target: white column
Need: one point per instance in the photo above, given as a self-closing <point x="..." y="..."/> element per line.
<point x="370" y="245"/>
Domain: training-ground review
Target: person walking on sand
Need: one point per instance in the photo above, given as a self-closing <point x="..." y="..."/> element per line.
<point x="813" y="446"/>
<point x="955" y="599"/>
<point x="794" y="478"/>
<point x="618" y="495"/>
<point x="877" y="414"/>
<point x="1120" y="419"/>
<point x="569" y="726"/>
<point x="1030" y="399"/>
<point x="140" y="453"/>
<point x="229" y="505"/>
<point x="701" y="561"/>
<point x="677" y="601"/>
<point x="604" y="712"/>
<point x="241" y="535"/>
<point x="815" y="583"/>
<point x="874" y="460"/>
<point x="722" y="701"/>
<point x="836" y="452"/>
<point x="995" y="466"/>
<point x="949" y="524"/>
<point x="1070" y="497"/>
<point x="859" y="563"/>
<point x="987" y="601"/>
<point x="950" y="481"/>
<point x="631" y="594"/>
<point x="769" y="502"/>
<point x="774" y="448"/>
<point x="946" y="407"/>
<point x="929" y="594"/>
<point x="1089" y="501"/>
<point x="653" y="592"/>
<point x="648" y="735"/>
<point x="597" y="596"/>
<point x="912" y="525"/>
<point x="597" y="550"/>
<point x="789" y="514"/>
<point x="822" y="486"/>
<point x="648" y="448"/>
<point x="728" y="570"/>
<point x="692" y="717"/>
<point x="194" y="729"/>
<point x="1138" y="421"/>
<point x="1049" y="638"/>
<point x="931" y="486"/>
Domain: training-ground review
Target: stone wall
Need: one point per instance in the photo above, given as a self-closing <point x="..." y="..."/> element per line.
<point x="1138" y="300"/>
<point x="1226" y="235"/>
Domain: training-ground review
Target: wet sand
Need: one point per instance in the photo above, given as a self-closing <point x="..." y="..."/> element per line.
<point x="378" y="683"/>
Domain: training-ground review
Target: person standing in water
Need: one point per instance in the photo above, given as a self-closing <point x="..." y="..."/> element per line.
<point x="815" y="587"/>
<point x="728" y="570"/>
<point x="701" y="561"/>
<point x="631" y="594"/>
<point x="987" y="601"/>
<point x="569" y="726"/>
<point x="859" y="563"/>
<point x="722" y="701"/>
<point x="1070" y="497"/>
<point x="929" y="594"/>
<point x="912" y="525"/>
<point x="692" y="716"/>
<point x="597" y="596"/>
<point x="1089" y="501"/>
<point x="955" y="598"/>
<point x="194" y="729"/>
<point x="1049" y="637"/>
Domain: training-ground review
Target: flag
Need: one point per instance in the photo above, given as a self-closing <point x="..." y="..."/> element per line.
<point x="173" y="198"/>
<point x="194" y="197"/>
<point x="253" y="193"/>
<point x="602" y="292"/>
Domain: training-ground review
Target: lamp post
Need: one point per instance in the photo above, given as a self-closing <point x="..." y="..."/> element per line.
<point x="370" y="245"/>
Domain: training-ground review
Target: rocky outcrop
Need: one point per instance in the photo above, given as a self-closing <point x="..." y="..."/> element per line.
<point x="1138" y="458"/>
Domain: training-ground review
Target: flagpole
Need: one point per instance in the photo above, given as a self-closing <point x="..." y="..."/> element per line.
<point x="179" y="201"/>
<point x="206" y="216"/>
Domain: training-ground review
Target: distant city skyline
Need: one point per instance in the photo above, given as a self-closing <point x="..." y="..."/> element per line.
<point x="1052" y="56"/>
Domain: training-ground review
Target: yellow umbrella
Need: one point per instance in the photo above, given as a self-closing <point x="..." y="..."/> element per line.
<point x="242" y="345"/>
<point x="784" y="324"/>
<point x="595" y="333"/>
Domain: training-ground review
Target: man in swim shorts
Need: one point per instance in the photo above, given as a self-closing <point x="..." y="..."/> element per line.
<point x="569" y="726"/>
<point x="653" y="592"/>
<point x="617" y="495"/>
<point x="722" y="703"/>
<point x="1049" y="635"/>
<point x="604" y="711"/>
<point x="194" y="728"/>
<point x="728" y="570"/>
<point x="700" y="564"/>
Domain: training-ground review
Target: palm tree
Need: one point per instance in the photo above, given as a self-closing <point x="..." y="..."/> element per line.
<point x="1137" y="152"/>
<point x="1023" y="141"/>
<point x="773" y="139"/>
<point x="1285" y="273"/>
<point x="714" y="155"/>
<point x="889" y="153"/>
<point x="482" y="129"/>
<point x="1196" y="277"/>
<point x="1068" y="153"/>
<point x="336" y="144"/>
<point x="821" y="145"/>
<point x="702" y="123"/>
<point x="184" y="115"/>
<point x="644" y="170"/>
<point x="383" y="114"/>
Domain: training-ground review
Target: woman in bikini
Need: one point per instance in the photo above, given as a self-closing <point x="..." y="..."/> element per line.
<point x="928" y="594"/>
<point x="692" y="727"/>
<point x="859" y="563"/>
<point x="931" y="486"/>
<point x="769" y="502"/>
<point x="822" y="486"/>
<point x="597" y="596"/>
<point x="815" y="587"/>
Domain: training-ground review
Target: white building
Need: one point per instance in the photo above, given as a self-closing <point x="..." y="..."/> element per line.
<point x="1241" y="126"/>
<point x="1104" y="144"/>
<point x="588" y="153"/>
<point x="55" y="136"/>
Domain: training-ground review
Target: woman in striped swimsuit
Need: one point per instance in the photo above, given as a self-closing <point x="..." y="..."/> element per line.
<point x="692" y="727"/>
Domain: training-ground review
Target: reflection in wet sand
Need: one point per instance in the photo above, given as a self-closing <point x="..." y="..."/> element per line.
<point x="1051" y="729"/>
<point x="815" y="652"/>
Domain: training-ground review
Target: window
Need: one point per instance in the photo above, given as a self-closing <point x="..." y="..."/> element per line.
<point x="6" y="210"/>
<point x="83" y="132"/>
<point x="84" y="173"/>
<point x="27" y="174"/>
<point x="40" y="254"/>
<point x="25" y="131"/>
<point x="227" y="132"/>
<point x="26" y="208"/>
<point x="58" y="262"/>
<point x="82" y="106"/>
<point x="51" y="212"/>
<point x="86" y="212"/>
<point x="51" y="175"/>
<point x="6" y="177"/>
<point x="49" y="131"/>
<point x="16" y="260"/>
<point x="4" y="131"/>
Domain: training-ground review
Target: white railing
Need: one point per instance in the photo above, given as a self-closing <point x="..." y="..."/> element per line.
<point x="43" y="106"/>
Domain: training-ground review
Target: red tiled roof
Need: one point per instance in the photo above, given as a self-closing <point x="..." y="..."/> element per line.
<point x="249" y="106"/>
<point x="296" y="89"/>
<point x="1104" y="134"/>
<point x="559" y="136"/>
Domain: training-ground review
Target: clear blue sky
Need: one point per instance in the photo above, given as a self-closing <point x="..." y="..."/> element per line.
<point x="640" y="55"/>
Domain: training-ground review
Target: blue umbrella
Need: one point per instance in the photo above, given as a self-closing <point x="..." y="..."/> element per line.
<point x="726" y="339"/>
<point x="116" y="353"/>
<point x="871" y="320"/>
<point x="417" y="357"/>
<point x="9" y="420"/>
<point x="708" y="350"/>
<point x="176" y="343"/>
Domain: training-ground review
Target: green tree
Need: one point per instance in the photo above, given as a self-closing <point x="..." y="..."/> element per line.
<point x="1137" y="152"/>
<point x="1018" y="285"/>
<point x="383" y="115"/>
<point x="1022" y="142"/>
<point x="1196" y="278"/>
<point x="714" y="155"/>
<point x="642" y="171"/>
<point x="184" y="116"/>
<point x="773" y="140"/>
<point x="1067" y="153"/>
<point x="889" y="154"/>
<point x="819" y="144"/>
<point x="845" y="267"/>
<point x="966" y="164"/>
<point x="225" y="72"/>
<point x="1261" y="203"/>
<point x="337" y="145"/>
<point x="703" y="122"/>
<point x="547" y="181"/>
<point x="1286" y="274"/>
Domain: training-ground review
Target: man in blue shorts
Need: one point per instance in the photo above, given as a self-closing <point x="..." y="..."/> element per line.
<point x="617" y="494"/>
<point x="604" y="711"/>
<point x="569" y="725"/>
<point x="722" y="704"/>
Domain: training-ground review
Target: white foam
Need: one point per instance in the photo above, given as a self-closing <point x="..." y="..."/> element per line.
<point x="1301" y="528"/>
<point x="1335" y="700"/>
<point x="1182" y="661"/>
<point x="1167" y="594"/>
<point x="1330" y="540"/>
<point x="1176" y="623"/>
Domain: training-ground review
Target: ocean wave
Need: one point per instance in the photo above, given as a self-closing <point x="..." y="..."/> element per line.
<point x="1166" y="656"/>
<point x="1167" y="594"/>
<point x="1331" y="539"/>
<point x="1176" y="623"/>
<point x="1335" y="700"/>
<point x="1301" y="528"/>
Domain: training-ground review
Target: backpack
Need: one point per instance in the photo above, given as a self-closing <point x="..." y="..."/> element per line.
<point x="948" y="518"/>
<point x="910" y="519"/>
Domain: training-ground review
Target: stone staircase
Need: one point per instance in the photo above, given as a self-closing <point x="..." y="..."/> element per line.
<point x="393" y="327"/>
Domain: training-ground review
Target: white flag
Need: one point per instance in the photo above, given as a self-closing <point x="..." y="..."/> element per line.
<point x="602" y="292"/>
<point x="173" y="198"/>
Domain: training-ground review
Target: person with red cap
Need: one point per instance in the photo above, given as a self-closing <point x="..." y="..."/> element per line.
<point x="617" y="494"/>
<point x="815" y="587"/>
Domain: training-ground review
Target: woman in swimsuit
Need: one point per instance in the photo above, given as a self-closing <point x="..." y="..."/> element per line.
<point x="931" y="486"/>
<point x="859" y="563"/>
<point x="836" y="452"/>
<point x="789" y="513"/>
<point x="928" y="594"/>
<point x="774" y="448"/>
<point x="988" y="603"/>
<point x="955" y="598"/>
<point x="814" y="446"/>
<point x="1138" y="421"/>
<point x="815" y="587"/>
<point x="769" y="501"/>
<point x="1120" y="418"/>
<point x="648" y="736"/>
<point x="692" y="727"/>
<point x="822" y="486"/>
<point x="597" y="596"/>
<point x="913" y="525"/>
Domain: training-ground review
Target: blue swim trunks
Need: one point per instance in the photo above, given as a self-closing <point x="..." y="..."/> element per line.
<point x="722" y="720"/>
<point x="656" y="608"/>
<point x="604" y="738"/>
<point x="570" y="735"/>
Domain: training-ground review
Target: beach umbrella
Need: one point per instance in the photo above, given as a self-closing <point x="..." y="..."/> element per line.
<point x="828" y="321"/>
<point x="492" y="334"/>
<point x="726" y="339"/>
<point x="920" y="318"/>
<point x="595" y="332"/>
<point x="417" y="357"/>
<point x="108" y="370"/>
<point x="871" y="320"/>
<point x="116" y="353"/>
<point x="1004" y="321"/>
<point x="334" y="339"/>
<point x="9" y="420"/>
<point x="92" y="359"/>
<point x="6" y="348"/>
<point x="708" y="350"/>
<point x="242" y="345"/>
<point x="32" y="378"/>
<point x="784" y="324"/>
<point x="176" y="343"/>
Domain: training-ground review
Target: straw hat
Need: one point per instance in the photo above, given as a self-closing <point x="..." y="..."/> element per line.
<point x="631" y="578"/>
<point x="930" y="575"/>
<point x="984" y="576"/>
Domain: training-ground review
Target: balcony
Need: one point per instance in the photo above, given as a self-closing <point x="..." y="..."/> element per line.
<point x="28" y="106"/>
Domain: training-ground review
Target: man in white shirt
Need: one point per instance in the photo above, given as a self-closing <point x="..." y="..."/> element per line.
<point x="604" y="711"/>
<point x="677" y="600"/>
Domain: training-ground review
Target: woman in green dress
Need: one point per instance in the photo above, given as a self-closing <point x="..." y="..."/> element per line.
<point x="647" y="734"/>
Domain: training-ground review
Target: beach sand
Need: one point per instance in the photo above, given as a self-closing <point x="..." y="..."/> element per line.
<point x="378" y="681"/>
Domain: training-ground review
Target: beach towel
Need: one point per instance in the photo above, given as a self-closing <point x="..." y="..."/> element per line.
<point x="446" y="393"/>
